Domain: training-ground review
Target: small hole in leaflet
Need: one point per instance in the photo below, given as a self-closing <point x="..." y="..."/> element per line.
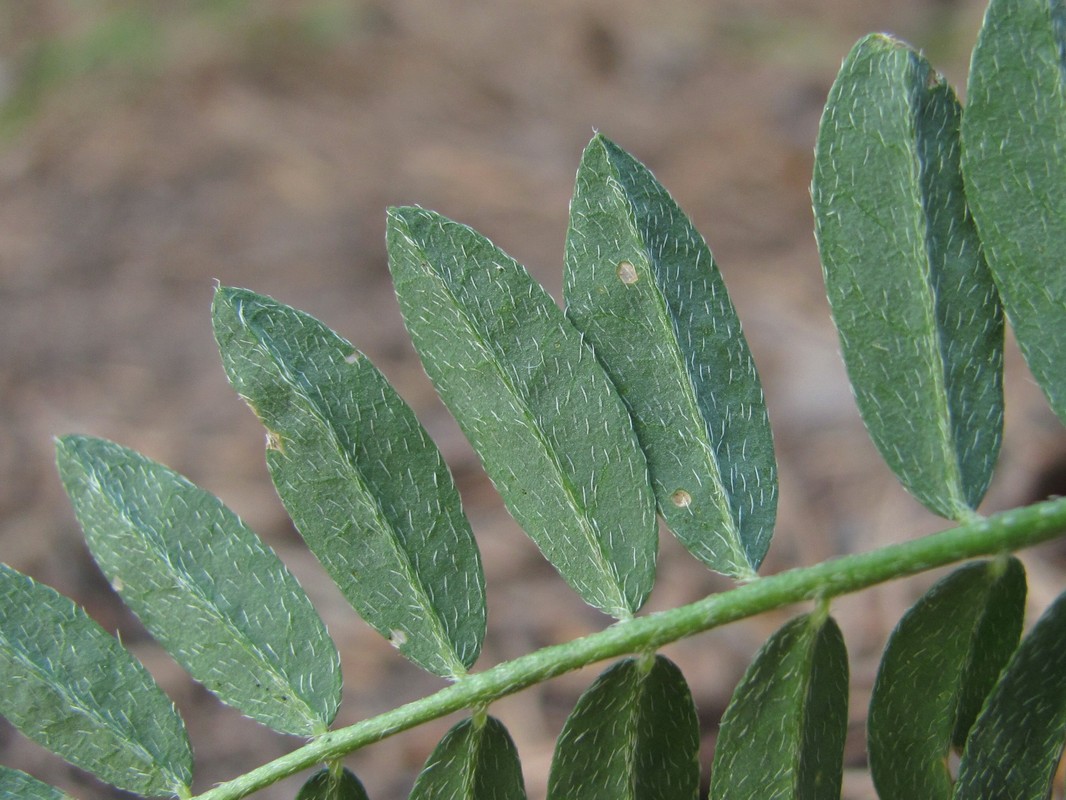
<point x="627" y="273"/>
<point x="681" y="498"/>
<point x="398" y="639"/>
<point x="352" y="359"/>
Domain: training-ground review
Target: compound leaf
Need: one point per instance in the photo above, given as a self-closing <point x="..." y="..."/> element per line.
<point x="75" y="690"/>
<point x="476" y="760"/>
<point x="782" y="735"/>
<point x="204" y="585"/>
<point x="539" y="410"/>
<point x="1014" y="746"/>
<point x="634" y="735"/>
<point x="1014" y="160"/>
<point x="329" y="785"/>
<point x="15" y="785"/>
<point x="360" y="477"/>
<point x="940" y="663"/>
<point x="642" y="285"/>
<point x="914" y="303"/>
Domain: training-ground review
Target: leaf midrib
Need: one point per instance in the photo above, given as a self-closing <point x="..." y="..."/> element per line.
<point x="811" y="633"/>
<point x="585" y="525"/>
<point x="470" y="766"/>
<point x="936" y="344"/>
<point x="632" y="725"/>
<point x="84" y="704"/>
<point x="665" y="321"/>
<point x="366" y="497"/>
<point x="193" y="590"/>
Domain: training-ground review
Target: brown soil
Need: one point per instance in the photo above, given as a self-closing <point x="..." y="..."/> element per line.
<point x="254" y="154"/>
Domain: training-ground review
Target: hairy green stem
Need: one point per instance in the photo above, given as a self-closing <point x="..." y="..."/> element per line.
<point x="1002" y="533"/>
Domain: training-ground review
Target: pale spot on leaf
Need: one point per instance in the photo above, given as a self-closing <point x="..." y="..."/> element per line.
<point x="681" y="498"/>
<point x="627" y="273"/>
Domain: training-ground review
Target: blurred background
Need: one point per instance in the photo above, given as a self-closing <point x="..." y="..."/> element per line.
<point x="150" y="149"/>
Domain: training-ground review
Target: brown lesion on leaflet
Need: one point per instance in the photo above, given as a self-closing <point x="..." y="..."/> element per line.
<point x="681" y="498"/>
<point x="627" y="273"/>
<point x="274" y="441"/>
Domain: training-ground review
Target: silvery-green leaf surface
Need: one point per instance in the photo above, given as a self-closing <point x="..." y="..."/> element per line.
<point x="547" y="423"/>
<point x="782" y="735"/>
<point x="16" y="785"/>
<point x="914" y="303"/>
<point x="204" y="585"/>
<point x="476" y="760"/>
<point x="1015" y="745"/>
<point x="1014" y="160"/>
<point x="329" y="785"/>
<point x="939" y="666"/>
<point x="75" y="690"/>
<point x="643" y="287"/>
<point x="634" y="735"/>
<point x="360" y="477"/>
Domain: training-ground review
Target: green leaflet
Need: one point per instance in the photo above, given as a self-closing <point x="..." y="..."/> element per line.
<point x="539" y="410"/>
<point x="782" y="735"/>
<point x="361" y="479"/>
<point x="633" y="735"/>
<point x="329" y="785"/>
<point x="1014" y="160"/>
<point x="642" y="285"/>
<point x="1015" y="745"/>
<point x="74" y="689"/>
<point x="939" y="665"/>
<point x="15" y="785"/>
<point x="914" y="303"/>
<point x="476" y="760"/>
<point x="204" y="585"/>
